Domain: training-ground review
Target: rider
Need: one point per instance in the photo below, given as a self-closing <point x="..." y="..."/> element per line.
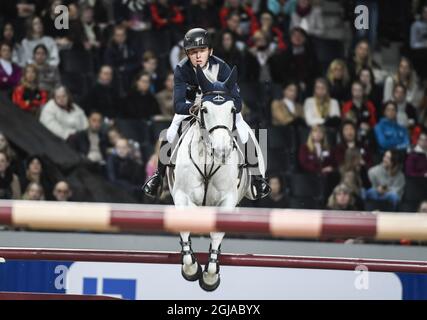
<point x="197" y="46"/>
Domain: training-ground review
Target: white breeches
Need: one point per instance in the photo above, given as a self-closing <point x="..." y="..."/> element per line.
<point x="242" y="127"/>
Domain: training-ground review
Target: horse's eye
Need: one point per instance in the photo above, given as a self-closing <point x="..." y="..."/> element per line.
<point x="204" y="110"/>
<point x="233" y="110"/>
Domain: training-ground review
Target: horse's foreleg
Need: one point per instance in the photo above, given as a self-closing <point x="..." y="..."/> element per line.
<point x="190" y="268"/>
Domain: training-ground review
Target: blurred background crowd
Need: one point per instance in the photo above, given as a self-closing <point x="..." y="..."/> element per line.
<point x="345" y="109"/>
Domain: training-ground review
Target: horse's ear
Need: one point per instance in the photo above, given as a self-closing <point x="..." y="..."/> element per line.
<point x="231" y="81"/>
<point x="204" y="83"/>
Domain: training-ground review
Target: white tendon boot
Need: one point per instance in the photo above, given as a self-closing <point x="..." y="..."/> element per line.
<point x="190" y="268"/>
<point x="211" y="279"/>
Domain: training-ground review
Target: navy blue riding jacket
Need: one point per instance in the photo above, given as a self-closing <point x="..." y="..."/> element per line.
<point x="186" y="86"/>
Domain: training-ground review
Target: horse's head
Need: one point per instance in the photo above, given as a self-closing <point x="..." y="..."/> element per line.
<point x="218" y="113"/>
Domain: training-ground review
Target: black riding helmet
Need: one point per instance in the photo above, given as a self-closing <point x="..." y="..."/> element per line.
<point x="197" y="38"/>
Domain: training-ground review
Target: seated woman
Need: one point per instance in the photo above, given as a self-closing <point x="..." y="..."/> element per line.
<point x="354" y="173"/>
<point x="315" y="155"/>
<point x="339" y="80"/>
<point x="35" y="36"/>
<point x="387" y="179"/>
<point x="342" y="199"/>
<point x="416" y="162"/>
<point x="370" y="88"/>
<point x="8" y="150"/>
<point x="287" y="110"/>
<point x="321" y="108"/>
<point x="406" y="76"/>
<point x="28" y="96"/>
<point x="62" y="116"/>
<point x="10" y="73"/>
<point x="49" y="76"/>
<point x="36" y="172"/>
<point x="389" y="134"/>
<point x="406" y="112"/>
<point x="165" y="98"/>
<point x="33" y="192"/>
<point x="140" y="102"/>
<point x="350" y="140"/>
<point x="9" y="182"/>
<point x="277" y="198"/>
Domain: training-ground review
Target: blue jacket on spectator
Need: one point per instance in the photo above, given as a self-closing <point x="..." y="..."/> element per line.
<point x="186" y="86"/>
<point x="391" y="135"/>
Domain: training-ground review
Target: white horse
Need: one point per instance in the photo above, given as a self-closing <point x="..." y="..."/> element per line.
<point x="209" y="171"/>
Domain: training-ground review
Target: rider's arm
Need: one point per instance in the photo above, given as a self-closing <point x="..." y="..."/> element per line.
<point x="181" y="104"/>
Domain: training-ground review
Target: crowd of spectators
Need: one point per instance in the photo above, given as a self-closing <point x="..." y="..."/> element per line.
<point x="359" y="127"/>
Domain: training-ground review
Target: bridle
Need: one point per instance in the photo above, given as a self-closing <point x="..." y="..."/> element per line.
<point x="207" y="174"/>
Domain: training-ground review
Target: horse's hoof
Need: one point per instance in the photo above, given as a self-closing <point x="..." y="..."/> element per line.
<point x="209" y="287"/>
<point x="193" y="277"/>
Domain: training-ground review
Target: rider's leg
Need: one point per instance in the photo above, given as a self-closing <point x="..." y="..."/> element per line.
<point x="257" y="180"/>
<point x="151" y="187"/>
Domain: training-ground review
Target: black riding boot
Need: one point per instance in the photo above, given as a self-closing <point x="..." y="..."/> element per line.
<point x="154" y="184"/>
<point x="262" y="188"/>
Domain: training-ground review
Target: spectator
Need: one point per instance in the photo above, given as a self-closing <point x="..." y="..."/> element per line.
<point x="418" y="43"/>
<point x="177" y="54"/>
<point x="62" y="116"/>
<point x="35" y="172"/>
<point x="277" y="197"/>
<point x="35" y="36"/>
<point x="48" y="75"/>
<point x="165" y="15"/>
<point x="287" y="110"/>
<point x="91" y="143"/>
<point x="298" y="63"/>
<point x="10" y="73"/>
<point x="34" y="192"/>
<point x="113" y="135"/>
<point x="123" y="171"/>
<point x="349" y="140"/>
<point x="354" y="172"/>
<point x="338" y="80"/>
<point x="274" y="34"/>
<point x="8" y="36"/>
<point x="92" y="32"/>
<point x="406" y="113"/>
<point x="407" y="77"/>
<point x="370" y="88"/>
<point x="282" y="10"/>
<point x="28" y="96"/>
<point x="103" y="96"/>
<point x="122" y="57"/>
<point x="315" y="155"/>
<point x="9" y="183"/>
<point x="141" y="103"/>
<point x="8" y="150"/>
<point x="387" y="179"/>
<point x="150" y="66"/>
<point x="321" y="108"/>
<point x="361" y="58"/>
<point x="308" y="17"/>
<point x="165" y="98"/>
<point x="62" y="191"/>
<point x="228" y="51"/>
<point x="233" y="26"/>
<point x="262" y="51"/>
<point x="342" y="199"/>
<point x="389" y="134"/>
<point x="422" y="208"/>
<point x="48" y="19"/>
<point x="416" y="162"/>
<point x="248" y="22"/>
<point x="203" y="14"/>
<point x="359" y="110"/>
